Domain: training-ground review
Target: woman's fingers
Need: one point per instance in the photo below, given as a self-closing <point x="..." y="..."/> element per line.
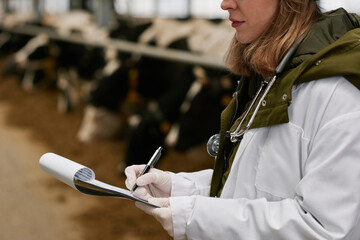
<point x="157" y="183"/>
<point x="132" y="172"/>
<point x="162" y="214"/>
<point x="161" y="202"/>
<point x="142" y="193"/>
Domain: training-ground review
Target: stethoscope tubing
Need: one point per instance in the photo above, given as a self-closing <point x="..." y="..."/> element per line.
<point x="238" y="133"/>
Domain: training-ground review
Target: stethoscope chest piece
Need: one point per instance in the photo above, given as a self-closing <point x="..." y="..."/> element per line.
<point x="213" y="145"/>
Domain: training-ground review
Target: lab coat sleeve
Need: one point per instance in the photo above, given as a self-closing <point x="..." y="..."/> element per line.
<point x="195" y="183"/>
<point x="326" y="205"/>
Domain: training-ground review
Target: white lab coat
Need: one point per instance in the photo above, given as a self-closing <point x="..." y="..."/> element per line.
<point x="294" y="181"/>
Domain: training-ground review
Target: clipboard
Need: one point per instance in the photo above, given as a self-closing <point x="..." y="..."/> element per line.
<point x="82" y="178"/>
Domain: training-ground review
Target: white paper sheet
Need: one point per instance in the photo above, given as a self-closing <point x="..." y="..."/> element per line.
<point x="61" y="168"/>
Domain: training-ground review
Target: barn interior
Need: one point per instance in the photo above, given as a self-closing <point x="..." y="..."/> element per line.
<point x="105" y="83"/>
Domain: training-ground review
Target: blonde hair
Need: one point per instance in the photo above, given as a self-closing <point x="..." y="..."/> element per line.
<point x="293" y="19"/>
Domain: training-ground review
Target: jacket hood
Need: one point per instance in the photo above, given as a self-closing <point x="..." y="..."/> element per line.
<point x="329" y="28"/>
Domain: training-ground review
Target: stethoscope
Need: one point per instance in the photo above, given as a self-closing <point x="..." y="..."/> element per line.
<point x="238" y="133"/>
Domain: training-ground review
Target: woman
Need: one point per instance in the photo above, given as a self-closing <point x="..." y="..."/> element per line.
<point x="296" y="173"/>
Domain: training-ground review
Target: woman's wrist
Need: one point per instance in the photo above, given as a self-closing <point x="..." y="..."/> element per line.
<point x="181" y="210"/>
<point x="181" y="186"/>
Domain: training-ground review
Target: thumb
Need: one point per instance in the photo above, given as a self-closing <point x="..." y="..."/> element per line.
<point x="153" y="177"/>
<point x="161" y="202"/>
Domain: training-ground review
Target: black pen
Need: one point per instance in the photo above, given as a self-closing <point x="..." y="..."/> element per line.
<point x="153" y="160"/>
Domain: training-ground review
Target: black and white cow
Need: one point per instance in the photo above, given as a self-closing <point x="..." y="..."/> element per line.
<point x="169" y="103"/>
<point x="165" y="84"/>
<point x="70" y="66"/>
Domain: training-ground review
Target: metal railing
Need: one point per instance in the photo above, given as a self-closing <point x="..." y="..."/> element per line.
<point x="124" y="46"/>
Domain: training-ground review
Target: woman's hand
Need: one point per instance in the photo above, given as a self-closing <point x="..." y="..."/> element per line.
<point x="162" y="214"/>
<point x="155" y="183"/>
<point x="154" y="187"/>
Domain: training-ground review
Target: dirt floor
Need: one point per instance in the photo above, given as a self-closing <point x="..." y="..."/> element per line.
<point x="34" y="205"/>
